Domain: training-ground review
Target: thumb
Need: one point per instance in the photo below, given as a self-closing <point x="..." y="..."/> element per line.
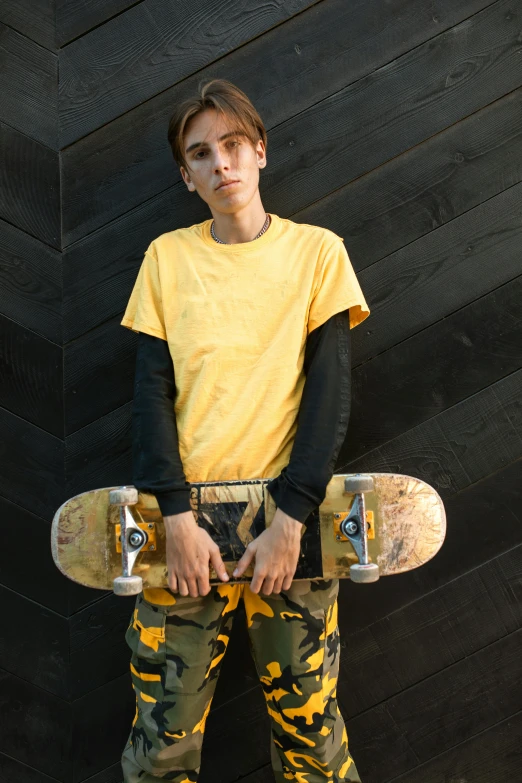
<point x="244" y="562"/>
<point x="219" y="566"/>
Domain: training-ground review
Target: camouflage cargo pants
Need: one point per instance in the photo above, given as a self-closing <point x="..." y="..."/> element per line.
<point x="177" y="646"/>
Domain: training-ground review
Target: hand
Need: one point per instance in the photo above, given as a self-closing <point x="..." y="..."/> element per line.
<point x="276" y="552"/>
<point x="189" y="550"/>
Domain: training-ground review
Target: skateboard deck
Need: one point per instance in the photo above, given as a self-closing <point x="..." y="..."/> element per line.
<point x="405" y="525"/>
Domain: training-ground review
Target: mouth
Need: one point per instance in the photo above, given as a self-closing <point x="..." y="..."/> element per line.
<point x="226" y="185"/>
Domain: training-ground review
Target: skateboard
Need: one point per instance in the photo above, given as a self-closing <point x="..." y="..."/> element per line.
<point x="369" y="525"/>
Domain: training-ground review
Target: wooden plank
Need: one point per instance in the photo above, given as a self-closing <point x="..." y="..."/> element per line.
<point x="430" y="634"/>
<point x="99" y="735"/>
<point x="112" y="774"/>
<point x="399" y="388"/>
<point x="348" y="134"/>
<point x="437" y="450"/>
<point x="29" y="186"/>
<point x="36" y="726"/>
<point x="303" y="61"/>
<point x="484" y="521"/>
<point x="99" y="78"/>
<point x="103" y="359"/>
<point x="31" y="466"/>
<point x="30" y="282"/>
<point x="44" y="663"/>
<point x="39" y="579"/>
<point x="12" y="771"/>
<point x="31" y="369"/>
<point x="33" y="19"/>
<point x="491" y="757"/>
<point x="99" y="652"/>
<point x="99" y="454"/>
<point x="75" y="17"/>
<point x="462" y="260"/>
<point x="428" y="185"/>
<point x="28" y="85"/>
<point x="461" y="701"/>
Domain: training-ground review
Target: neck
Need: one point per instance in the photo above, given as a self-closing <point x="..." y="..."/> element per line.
<point x="241" y="226"/>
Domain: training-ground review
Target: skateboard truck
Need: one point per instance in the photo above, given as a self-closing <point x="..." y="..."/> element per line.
<point x="354" y="528"/>
<point x="133" y="539"/>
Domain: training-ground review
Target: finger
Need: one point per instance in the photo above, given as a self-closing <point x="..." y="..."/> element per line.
<point x="245" y="561"/>
<point x="219" y="566"/>
<point x="193" y="587"/>
<point x="278" y="584"/>
<point x="203" y="583"/>
<point x="183" y="587"/>
<point x="173" y="582"/>
<point x="287" y="582"/>
<point x="268" y="585"/>
<point x="257" y="580"/>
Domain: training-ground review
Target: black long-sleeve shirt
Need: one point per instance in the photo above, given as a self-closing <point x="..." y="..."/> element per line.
<point x="321" y="425"/>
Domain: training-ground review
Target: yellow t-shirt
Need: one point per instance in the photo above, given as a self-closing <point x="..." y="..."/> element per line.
<point x="236" y="318"/>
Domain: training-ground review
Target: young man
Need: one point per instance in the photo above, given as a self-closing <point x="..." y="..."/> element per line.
<point x="242" y="372"/>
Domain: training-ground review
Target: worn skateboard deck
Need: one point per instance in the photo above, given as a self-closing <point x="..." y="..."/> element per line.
<point x="405" y="523"/>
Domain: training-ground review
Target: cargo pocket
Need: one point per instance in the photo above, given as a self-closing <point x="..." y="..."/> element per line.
<point x="146" y="633"/>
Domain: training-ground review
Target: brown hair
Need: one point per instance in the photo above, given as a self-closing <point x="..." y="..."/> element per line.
<point x="224" y="97"/>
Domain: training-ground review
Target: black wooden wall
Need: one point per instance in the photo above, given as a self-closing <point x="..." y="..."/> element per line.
<point x="398" y="125"/>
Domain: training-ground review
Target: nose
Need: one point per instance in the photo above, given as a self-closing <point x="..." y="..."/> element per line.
<point x="221" y="162"/>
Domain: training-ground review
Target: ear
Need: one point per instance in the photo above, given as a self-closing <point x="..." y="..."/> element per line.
<point x="261" y="154"/>
<point x="186" y="179"/>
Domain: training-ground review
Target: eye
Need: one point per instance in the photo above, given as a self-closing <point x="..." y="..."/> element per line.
<point x="200" y="152"/>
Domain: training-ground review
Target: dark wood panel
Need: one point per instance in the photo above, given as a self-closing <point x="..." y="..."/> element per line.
<point x="33" y="19"/>
<point x="99" y="652"/>
<point x="28" y="85"/>
<point x="461" y="701"/>
<point x="100" y="734"/>
<point x="392" y="109"/>
<point x="302" y="61"/>
<point x="39" y="579"/>
<point x="29" y="185"/>
<point x="35" y="643"/>
<point x="36" y="727"/>
<point x="434" y="182"/>
<point x="459" y="262"/>
<point x="112" y="774"/>
<point x="490" y="757"/>
<point x="12" y="771"/>
<point x="103" y="360"/>
<point x="75" y="17"/>
<point x="31" y="466"/>
<point x="484" y="520"/>
<point x="438" y="450"/>
<point x="31" y="369"/>
<point x="30" y="282"/>
<point x="168" y="45"/>
<point x="437" y="368"/>
<point x="430" y="634"/>
<point x="99" y="455"/>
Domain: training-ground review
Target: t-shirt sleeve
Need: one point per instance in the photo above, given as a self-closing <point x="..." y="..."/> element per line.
<point x="144" y="311"/>
<point x="336" y="288"/>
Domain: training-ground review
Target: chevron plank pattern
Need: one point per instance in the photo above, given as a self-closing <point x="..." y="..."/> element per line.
<point x="397" y="125"/>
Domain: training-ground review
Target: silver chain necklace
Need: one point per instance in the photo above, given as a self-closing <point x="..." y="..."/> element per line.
<point x="265" y="226"/>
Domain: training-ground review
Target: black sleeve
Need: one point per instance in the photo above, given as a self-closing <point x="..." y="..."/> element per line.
<point x="322" y="420"/>
<point x="156" y="462"/>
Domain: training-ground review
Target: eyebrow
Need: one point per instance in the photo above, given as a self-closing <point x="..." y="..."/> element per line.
<point x="221" y="138"/>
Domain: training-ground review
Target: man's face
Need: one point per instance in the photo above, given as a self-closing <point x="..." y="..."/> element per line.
<point x="215" y="151"/>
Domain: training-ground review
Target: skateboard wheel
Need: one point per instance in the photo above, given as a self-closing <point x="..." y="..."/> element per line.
<point x="358" y="483"/>
<point x="127" y="585"/>
<point x="363" y="573"/>
<point x="124" y="496"/>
